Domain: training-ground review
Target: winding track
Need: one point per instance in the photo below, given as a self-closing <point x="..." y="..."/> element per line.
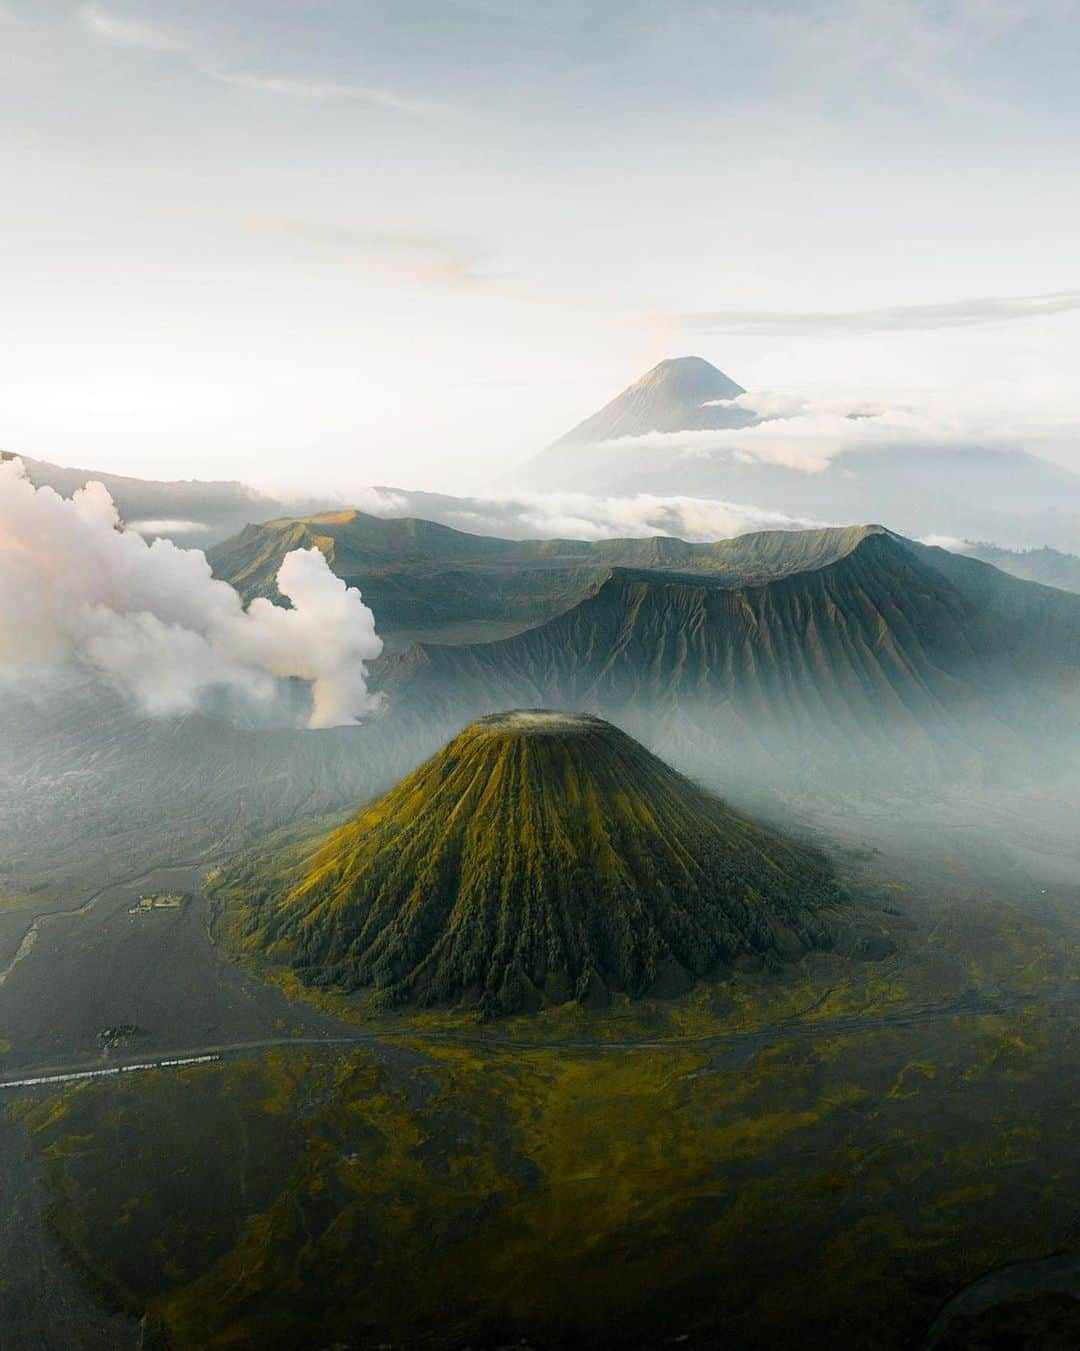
<point x="739" y="1045"/>
<point x="751" y="1040"/>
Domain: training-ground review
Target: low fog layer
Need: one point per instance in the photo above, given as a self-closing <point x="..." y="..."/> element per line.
<point x="573" y="515"/>
<point x="832" y="675"/>
<point x="78" y="586"/>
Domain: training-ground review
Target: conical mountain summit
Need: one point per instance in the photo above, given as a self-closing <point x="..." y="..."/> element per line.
<point x="680" y="394"/>
<point x="538" y="857"/>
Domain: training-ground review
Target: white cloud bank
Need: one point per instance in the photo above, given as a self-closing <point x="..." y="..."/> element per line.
<point x="76" y="585"/>
<point x="168" y="527"/>
<point x="967" y="313"/>
<point x="809" y="435"/>
<point x="570" y="515"/>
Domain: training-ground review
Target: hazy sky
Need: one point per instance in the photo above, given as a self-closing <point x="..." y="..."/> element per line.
<point x="357" y="241"/>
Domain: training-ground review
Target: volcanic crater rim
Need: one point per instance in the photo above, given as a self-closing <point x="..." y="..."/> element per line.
<point x="539" y="722"/>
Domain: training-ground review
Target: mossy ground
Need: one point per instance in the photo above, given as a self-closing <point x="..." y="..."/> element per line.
<point x="832" y="1191"/>
<point x="829" y="1183"/>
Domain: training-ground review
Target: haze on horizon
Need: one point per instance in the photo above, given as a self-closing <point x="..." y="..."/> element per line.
<point x="413" y="242"/>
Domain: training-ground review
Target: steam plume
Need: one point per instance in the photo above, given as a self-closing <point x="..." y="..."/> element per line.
<point x="74" y="584"/>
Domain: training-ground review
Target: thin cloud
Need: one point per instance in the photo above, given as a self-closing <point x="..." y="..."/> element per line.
<point x="124" y="31"/>
<point x="323" y="90"/>
<point x="128" y="32"/>
<point x="409" y="253"/>
<point x="890" y="319"/>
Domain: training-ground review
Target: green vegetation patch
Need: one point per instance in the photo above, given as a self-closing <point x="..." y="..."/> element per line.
<point x="829" y="1191"/>
<point x="152" y="1179"/>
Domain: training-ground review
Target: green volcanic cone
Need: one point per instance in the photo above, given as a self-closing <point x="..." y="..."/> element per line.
<point x="538" y="856"/>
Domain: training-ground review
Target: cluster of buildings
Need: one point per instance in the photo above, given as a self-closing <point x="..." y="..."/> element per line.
<point x="164" y="900"/>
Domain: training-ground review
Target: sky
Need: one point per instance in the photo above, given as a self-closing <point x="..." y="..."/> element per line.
<point x="333" y="242"/>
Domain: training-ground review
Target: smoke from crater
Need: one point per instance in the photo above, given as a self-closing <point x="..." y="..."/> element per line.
<point x="75" y="585"/>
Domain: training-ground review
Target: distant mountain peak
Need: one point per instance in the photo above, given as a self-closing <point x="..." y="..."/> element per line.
<point x="678" y="394"/>
<point x="691" y="377"/>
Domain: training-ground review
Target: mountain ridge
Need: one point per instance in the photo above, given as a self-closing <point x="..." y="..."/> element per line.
<point x="892" y="648"/>
<point x="414" y="573"/>
<point x="1046" y="566"/>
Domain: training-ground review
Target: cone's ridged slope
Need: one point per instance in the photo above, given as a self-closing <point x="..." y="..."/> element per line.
<point x="537" y="857"/>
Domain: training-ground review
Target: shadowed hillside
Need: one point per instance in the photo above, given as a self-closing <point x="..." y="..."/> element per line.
<point x="422" y="577"/>
<point x="890" y="648"/>
<point x="1049" y="567"/>
<point x="537" y="857"/>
